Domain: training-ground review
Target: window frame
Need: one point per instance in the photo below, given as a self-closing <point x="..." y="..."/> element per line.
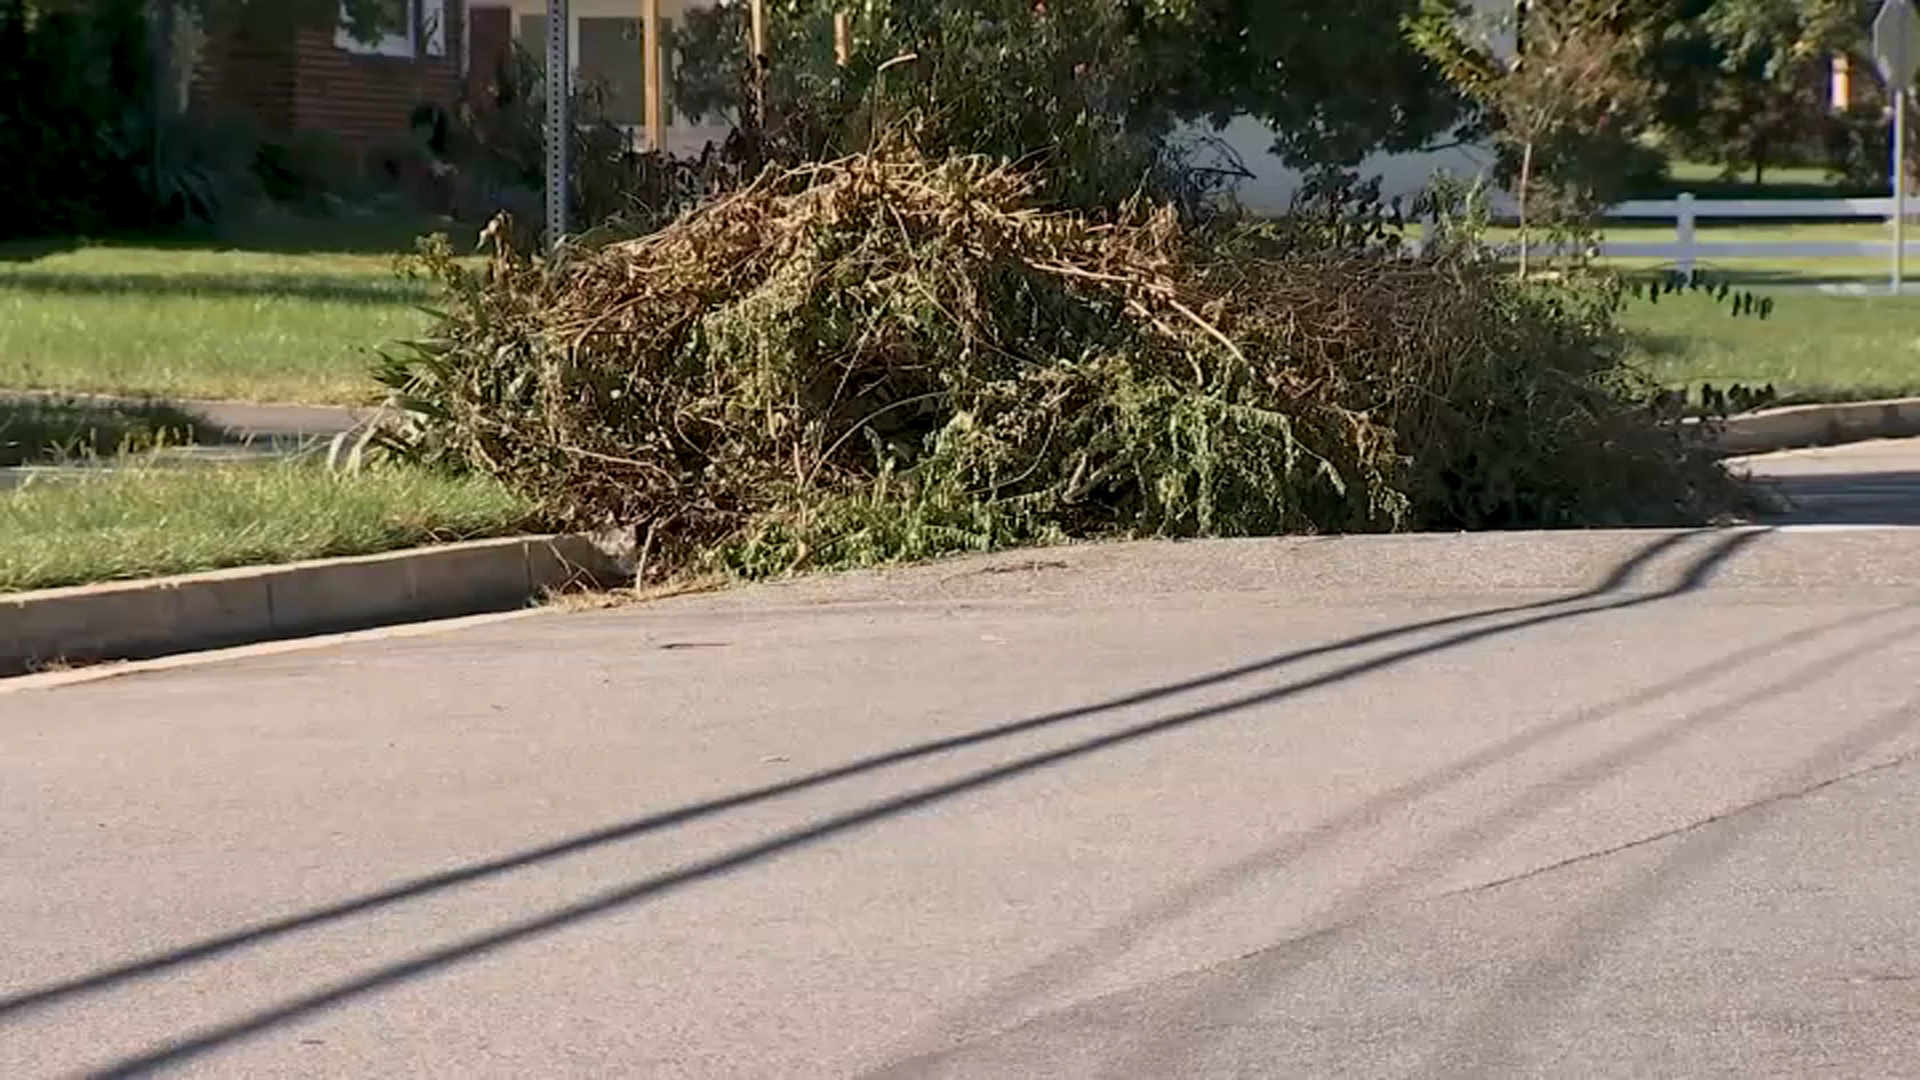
<point x="428" y="16"/>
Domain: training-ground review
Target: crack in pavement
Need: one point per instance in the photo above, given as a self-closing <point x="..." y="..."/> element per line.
<point x="914" y="1065"/>
<point x="1749" y="807"/>
<point x="985" y="1011"/>
<point x="1557" y="971"/>
<point x="1423" y="873"/>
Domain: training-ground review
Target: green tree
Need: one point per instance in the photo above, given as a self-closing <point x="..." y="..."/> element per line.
<point x="1787" y="43"/>
<point x="1571" y="93"/>
<point x="1745" y="79"/>
<point x="1333" y="79"/>
<point x="1784" y="32"/>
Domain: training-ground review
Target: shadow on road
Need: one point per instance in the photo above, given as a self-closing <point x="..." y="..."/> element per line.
<point x="1213" y="1007"/>
<point x="55" y="431"/>
<point x="1884" y="498"/>
<point x="1525" y="1001"/>
<point x="1067" y="966"/>
<point x="1719" y="547"/>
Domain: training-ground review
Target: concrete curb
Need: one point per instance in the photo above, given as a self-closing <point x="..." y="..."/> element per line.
<point x="1797" y="426"/>
<point x="141" y="620"/>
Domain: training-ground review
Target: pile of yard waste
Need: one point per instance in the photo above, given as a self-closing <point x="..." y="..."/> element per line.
<point x="890" y="357"/>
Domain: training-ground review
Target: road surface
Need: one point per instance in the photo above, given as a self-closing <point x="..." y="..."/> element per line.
<point x="1595" y="804"/>
<point x="1868" y="483"/>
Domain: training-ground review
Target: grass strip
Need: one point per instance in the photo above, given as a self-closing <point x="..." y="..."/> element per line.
<point x="142" y="521"/>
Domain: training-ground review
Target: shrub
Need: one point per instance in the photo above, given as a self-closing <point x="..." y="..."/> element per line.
<point x="888" y="357"/>
<point x="304" y="169"/>
<point x="497" y="152"/>
<point x="61" y="82"/>
<point x="86" y="151"/>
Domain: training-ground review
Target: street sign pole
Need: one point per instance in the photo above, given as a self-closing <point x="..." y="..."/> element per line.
<point x="559" y="123"/>
<point x="1899" y="190"/>
<point x="1896" y="47"/>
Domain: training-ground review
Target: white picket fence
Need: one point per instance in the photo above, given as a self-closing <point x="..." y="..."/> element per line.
<point x="1687" y="250"/>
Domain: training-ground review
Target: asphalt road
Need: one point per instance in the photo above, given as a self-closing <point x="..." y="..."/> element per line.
<point x="1591" y="804"/>
<point x="1869" y="483"/>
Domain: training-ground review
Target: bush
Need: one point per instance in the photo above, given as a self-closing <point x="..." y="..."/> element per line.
<point x="496" y="156"/>
<point x="86" y="151"/>
<point x="886" y="357"/>
<point x="1859" y="148"/>
<point x="303" y="170"/>
<point x="62" y="83"/>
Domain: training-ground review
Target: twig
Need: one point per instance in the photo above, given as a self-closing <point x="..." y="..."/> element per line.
<point x="868" y="419"/>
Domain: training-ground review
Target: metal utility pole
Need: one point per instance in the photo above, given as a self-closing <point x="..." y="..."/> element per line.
<point x="1899" y="191"/>
<point x="559" y="122"/>
<point x="1896" y="47"/>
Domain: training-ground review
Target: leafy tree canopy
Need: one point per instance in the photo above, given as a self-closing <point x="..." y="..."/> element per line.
<point x="1780" y="33"/>
<point x="1334" y="79"/>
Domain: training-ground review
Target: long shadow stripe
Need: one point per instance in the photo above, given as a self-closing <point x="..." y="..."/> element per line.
<point x="1221" y="1006"/>
<point x="259" y="933"/>
<point x="1527" y="998"/>
<point x="1067" y="965"/>
<point x="213" y="1038"/>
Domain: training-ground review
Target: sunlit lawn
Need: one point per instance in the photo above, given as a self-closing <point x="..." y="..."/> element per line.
<point x="1849" y="341"/>
<point x="184" y="319"/>
<point x="139" y="521"/>
<point x="1817" y="345"/>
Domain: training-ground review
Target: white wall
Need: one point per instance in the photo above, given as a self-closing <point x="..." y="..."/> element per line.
<point x="1273" y="186"/>
<point x="1403" y="175"/>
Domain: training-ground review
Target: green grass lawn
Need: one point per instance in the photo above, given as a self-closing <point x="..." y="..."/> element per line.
<point x="139" y="522"/>
<point x="290" y="314"/>
<point x="294" y="313"/>
<point x="185" y="323"/>
<point x="1813" y="348"/>
<point x="1711" y="182"/>
<point x="1816" y="346"/>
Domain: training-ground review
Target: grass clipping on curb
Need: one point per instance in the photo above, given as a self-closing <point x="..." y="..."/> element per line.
<point x="887" y="358"/>
<point x="139" y="522"/>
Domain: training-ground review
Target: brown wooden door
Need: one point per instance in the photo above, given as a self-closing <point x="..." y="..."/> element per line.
<point x="490" y="36"/>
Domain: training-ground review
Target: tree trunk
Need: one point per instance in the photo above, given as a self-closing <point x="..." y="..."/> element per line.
<point x="162" y="101"/>
<point x="163" y="23"/>
<point x="1526" y="184"/>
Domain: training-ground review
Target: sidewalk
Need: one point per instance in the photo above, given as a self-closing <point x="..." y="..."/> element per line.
<point x="231" y="432"/>
<point x="242" y="420"/>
